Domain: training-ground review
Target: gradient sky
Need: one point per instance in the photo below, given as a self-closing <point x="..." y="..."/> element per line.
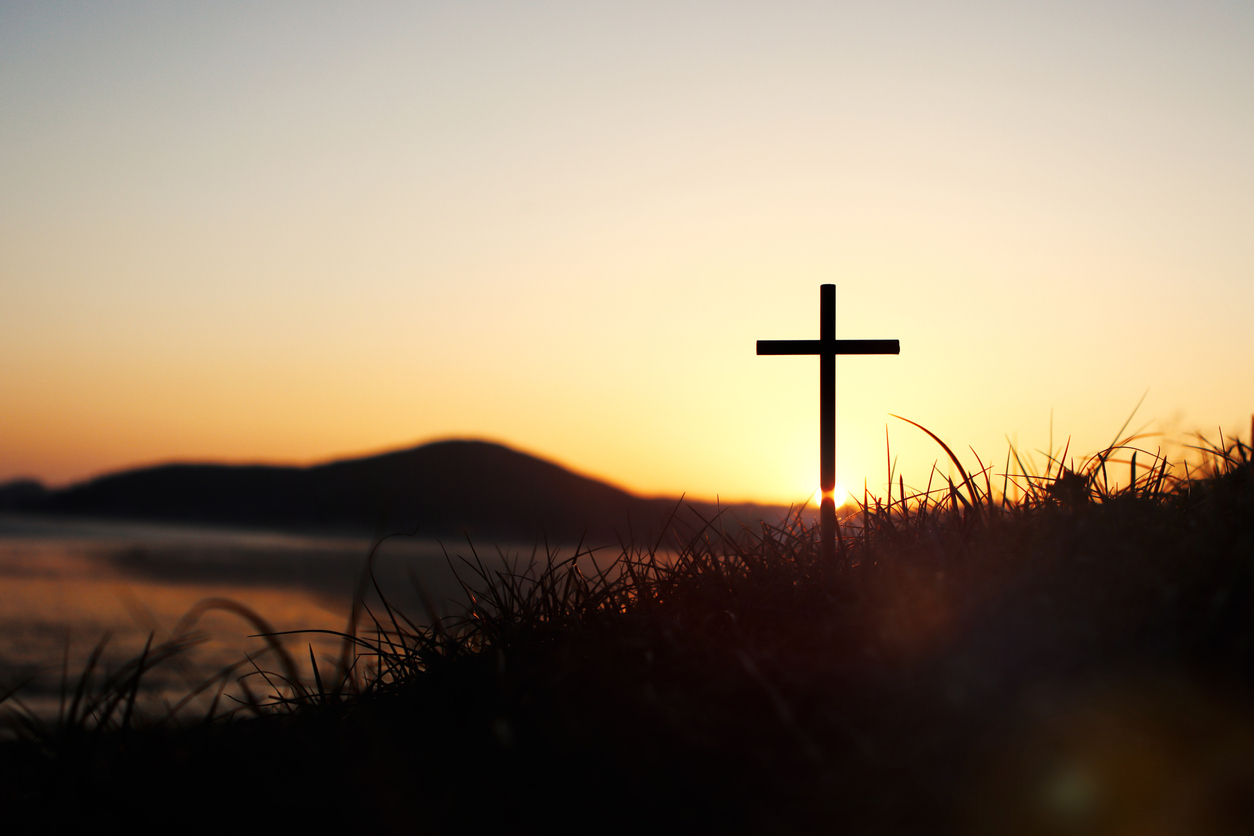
<point x="287" y="232"/>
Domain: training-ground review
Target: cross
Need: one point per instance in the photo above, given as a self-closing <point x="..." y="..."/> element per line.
<point x="827" y="347"/>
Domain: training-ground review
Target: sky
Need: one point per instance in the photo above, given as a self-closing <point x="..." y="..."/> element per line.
<point x="294" y="232"/>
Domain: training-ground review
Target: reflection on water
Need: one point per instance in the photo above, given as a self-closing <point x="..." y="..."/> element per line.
<point x="64" y="585"/>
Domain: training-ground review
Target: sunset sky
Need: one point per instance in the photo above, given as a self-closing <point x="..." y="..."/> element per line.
<point x="291" y="232"/>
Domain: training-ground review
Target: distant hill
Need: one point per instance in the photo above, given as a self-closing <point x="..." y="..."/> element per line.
<point x="445" y="488"/>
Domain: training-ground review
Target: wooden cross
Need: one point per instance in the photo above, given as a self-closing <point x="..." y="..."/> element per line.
<point x="827" y="347"/>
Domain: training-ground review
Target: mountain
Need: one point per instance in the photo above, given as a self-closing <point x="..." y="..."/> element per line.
<point x="445" y="488"/>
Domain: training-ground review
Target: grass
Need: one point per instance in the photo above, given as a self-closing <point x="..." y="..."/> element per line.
<point x="1059" y="650"/>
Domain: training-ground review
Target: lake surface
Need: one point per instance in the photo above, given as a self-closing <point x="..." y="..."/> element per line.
<point x="66" y="584"/>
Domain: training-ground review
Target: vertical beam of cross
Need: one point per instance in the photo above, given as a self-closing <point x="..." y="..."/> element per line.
<point x="827" y="389"/>
<point x="827" y="347"/>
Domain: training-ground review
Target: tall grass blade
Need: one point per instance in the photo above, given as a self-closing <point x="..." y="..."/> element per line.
<point x="966" y="480"/>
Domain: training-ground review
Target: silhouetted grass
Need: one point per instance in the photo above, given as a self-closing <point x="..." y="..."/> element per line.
<point x="1069" y="650"/>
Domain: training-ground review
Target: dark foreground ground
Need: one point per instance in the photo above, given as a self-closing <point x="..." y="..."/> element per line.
<point x="1081" y="662"/>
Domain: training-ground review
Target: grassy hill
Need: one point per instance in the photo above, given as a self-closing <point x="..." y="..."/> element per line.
<point x="1080" y="661"/>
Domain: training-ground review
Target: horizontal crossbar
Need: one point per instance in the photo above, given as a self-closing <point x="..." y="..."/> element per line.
<point x="822" y="346"/>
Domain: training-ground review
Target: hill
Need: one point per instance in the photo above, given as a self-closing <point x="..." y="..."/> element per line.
<point x="445" y="488"/>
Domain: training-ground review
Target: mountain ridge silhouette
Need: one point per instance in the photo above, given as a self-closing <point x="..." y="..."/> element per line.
<point x="477" y="488"/>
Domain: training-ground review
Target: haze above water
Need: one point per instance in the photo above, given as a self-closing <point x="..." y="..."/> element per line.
<point x="78" y="581"/>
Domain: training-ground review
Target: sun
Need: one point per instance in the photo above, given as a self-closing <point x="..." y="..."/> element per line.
<point x="840" y="496"/>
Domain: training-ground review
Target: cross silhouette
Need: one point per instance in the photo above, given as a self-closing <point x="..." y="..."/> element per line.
<point x="827" y="347"/>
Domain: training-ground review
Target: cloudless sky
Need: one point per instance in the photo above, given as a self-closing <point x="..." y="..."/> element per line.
<point x="289" y="232"/>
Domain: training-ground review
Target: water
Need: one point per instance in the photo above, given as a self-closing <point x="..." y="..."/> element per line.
<point x="64" y="585"/>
